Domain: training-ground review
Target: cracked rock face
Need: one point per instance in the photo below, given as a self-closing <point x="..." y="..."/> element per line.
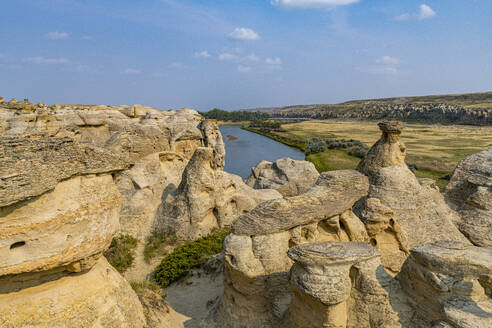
<point x="470" y="193"/>
<point x="450" y="283"/>
<point x="207" y="198"/>
<point x="287" y="176"/>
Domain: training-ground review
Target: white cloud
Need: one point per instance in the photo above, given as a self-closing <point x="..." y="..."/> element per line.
<point x="202" y="54"/>
<point x="303" y="4"/>
<point x="243" y="33"/>
<point x="402" y="17"/>
<point x="177" y="65"/>
<point x="243" y="69"/>
<point x="44" y="60"/>
<point x="57" y="35"/>
<point x="273" y="61"/>
<point x="378" y="69"/>
<point x="227" y="56"/>
<point x="426" y="12"/>
<point x="86" y="38"/>
<point x="388" y="60"/>
<point x="132" y="71"/>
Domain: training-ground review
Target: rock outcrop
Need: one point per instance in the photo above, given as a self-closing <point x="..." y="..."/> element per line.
<point x="470" y="193"/>
<point x="287" y="176"/>
<point x="207" y="198"/>
<point x="256" y="292"/>
<point x="401" y="211"/>
<point x="53" y="230"/>
<point x="450" y="283"/>
<point x="148" y="151"/>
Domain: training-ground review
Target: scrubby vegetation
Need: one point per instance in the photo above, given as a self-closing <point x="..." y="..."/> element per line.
<point x="235" y="116"/>
<point x="156" y="244"/>
<point x="189" y="255"/>
<point x="355" y="147"/>
<point x="121" y="252"/>
<point x="141" y="287"/>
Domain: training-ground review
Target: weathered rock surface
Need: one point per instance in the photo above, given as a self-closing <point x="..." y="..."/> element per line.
<point x="334" y="192"/>
<point x="450" y="282"/>
<point x="207" y="198"/>
<point x="97" y="298"/>
<point x="287" y="176"/>
<point x="256" y="292"/>
<point x="470" y="193"/>
<point x="387" y="151"/>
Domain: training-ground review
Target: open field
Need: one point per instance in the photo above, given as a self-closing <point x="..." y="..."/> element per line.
<point x="435" y="149"/>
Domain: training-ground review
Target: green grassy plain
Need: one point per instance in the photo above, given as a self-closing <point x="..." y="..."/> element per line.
<point x="435" y="149"/>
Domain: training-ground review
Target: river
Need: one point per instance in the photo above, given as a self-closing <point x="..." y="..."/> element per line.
<point x="245" y="149"/>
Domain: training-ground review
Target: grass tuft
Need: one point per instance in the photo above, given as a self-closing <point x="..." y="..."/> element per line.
<point x="156" y="244"/>
<point x="121" y="252"/>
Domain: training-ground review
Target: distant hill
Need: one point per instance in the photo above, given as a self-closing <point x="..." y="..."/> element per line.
<point x="471" y="108"/>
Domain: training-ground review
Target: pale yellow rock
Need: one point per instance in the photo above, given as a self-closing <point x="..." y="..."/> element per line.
<point x="100" y="298"/>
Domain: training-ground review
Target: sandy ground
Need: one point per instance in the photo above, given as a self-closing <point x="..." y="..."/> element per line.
<point x="194" y="296"/>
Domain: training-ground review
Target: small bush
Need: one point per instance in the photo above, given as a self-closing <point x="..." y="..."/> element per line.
<point x="156" y="244"/>
<point x="355" y="147"/>
<point x="121" y="252"/>
<point x="189" y="255"/>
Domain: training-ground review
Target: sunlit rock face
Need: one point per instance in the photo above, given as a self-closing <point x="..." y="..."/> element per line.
<point x="207" y="198"/>
<point x="287" y="176"/>
<point x="470" y="193"/>
<point x="53" y="230"/>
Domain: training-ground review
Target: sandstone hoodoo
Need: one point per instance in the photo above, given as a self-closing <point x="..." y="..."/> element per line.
<point x="287" y="176"/>
<point x="372" y="247"/>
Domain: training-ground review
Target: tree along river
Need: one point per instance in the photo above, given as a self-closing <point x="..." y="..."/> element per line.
<point x="245" y="149"/>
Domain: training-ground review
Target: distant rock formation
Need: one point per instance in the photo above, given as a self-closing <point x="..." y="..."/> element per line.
<point x="287" y="176"/>
<point x="470" y="193"/>
<point x="207" y="198"/>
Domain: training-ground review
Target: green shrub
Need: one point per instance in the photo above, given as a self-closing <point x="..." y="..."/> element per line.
<point x="121" y="252"/>
<point x="156" y="244"/>
<point x="191" y="254"/>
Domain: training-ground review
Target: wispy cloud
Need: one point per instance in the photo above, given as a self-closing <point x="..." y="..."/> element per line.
<point x="388" y="60"/>
<point x="252" y="57"/>
<point x="202" y="54"/>
<point x="131" y="71"/>
<point x="228" y="56"/>
<point x="86" y="38"/>
<point x="311" y="4"/>
<point x="384" y="65"/>
<point x="44" y="60"/>
<point x="243" y="33"/>
<point x="57" y="35"/>
<point x="425" y="12"/>
<point x="274" y="63"/>
<point x="243" y="69"/>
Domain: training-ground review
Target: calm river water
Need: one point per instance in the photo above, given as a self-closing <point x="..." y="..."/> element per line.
<point x="250" y="148"/>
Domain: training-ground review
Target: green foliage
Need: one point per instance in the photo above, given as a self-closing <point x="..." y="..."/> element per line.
<point x="235" y="116"/>
<point x="191" y="254"/>
<point x="121" y="252"/>
<point x="355" y="147"/>
<point x="156" y="244"/>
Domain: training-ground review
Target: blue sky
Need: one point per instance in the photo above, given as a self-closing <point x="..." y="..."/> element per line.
<point x="236" y="54"/>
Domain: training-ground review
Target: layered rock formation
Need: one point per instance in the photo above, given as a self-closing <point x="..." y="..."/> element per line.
<point x="153" y="146"/>
<point x="287" y="176"/>
<point x="207" y="198"/>
<point x="59" y="210"/>
<point x="470" y="193"/>
<point x="354" y="286"/>
<point x="401" y="211"/>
